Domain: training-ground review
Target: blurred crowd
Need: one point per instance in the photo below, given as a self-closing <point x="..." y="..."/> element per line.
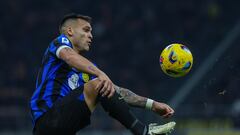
<point x="128" y="39"/>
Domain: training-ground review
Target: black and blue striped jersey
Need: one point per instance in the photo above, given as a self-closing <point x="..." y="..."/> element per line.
<point x="55" y="78"/>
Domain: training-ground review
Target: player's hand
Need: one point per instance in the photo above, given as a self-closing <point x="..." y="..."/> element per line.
<point x="106" y="86"/>
<point x="162" y="109"/>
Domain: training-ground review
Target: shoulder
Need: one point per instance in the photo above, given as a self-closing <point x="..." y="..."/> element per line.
<point x="62" y="40"/>
<point x="58" y="44"/>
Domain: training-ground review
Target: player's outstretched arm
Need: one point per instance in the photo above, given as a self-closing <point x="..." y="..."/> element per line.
<point x="135" y="100"/>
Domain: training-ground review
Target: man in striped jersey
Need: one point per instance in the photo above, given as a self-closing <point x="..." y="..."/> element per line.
<point x="69" y="86"/>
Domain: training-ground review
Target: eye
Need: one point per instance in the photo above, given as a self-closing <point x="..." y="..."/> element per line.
<point x="86" y="29"/>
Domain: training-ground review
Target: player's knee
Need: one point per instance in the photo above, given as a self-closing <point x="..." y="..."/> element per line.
<point x="90" y="93"/>
<point x="92" y="85"/>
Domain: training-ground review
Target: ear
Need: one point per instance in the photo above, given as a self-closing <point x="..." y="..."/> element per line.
<point x="70" y="31"/>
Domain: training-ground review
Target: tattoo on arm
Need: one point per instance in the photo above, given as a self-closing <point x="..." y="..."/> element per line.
<point x="91" y="68"/>
<point x="131" y="98"/>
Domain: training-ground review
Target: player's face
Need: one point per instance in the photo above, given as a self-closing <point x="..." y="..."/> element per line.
<point x="82" y="35"/>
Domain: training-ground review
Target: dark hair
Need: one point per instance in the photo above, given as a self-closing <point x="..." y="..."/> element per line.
<point x="73" y="16"/>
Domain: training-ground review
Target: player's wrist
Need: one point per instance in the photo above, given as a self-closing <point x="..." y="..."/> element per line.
<point x="98" y="72"/>
<point x="149" y="104"/>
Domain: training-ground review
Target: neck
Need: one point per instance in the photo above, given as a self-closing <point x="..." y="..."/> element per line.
<point x="73" y="43"/>
<point x="76" y="49"/>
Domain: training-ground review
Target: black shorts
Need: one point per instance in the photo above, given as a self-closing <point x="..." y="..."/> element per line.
<point x="66" y="117"/>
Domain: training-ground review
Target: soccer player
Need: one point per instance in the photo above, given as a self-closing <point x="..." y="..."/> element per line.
<point x="69" y="87"/>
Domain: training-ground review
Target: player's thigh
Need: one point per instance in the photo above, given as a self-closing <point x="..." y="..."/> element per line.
<point x="67" y="115"/>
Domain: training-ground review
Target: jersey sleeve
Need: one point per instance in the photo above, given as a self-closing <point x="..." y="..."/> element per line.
<point x="58" y="44"/>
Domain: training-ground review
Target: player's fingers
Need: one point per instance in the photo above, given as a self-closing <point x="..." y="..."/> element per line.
<point x="111" y="92"/>
<point x="99" y="85"/>
<point x="104" y="87"/>
<point x="169" y="113"/>
<point x="107" y="89"/>
<point x="165" y="115"/>
<point x="170" y="110"/>
<point x="106" y="92"/>
<point x="168" y="116"/>
<point x="165" y="109"/>
<point x="109" y="86"/>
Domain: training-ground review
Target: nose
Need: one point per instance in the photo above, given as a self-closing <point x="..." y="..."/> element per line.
<point x="90" y="36"/>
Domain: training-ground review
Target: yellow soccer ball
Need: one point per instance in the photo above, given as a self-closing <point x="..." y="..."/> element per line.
<point x="176" y="60"/>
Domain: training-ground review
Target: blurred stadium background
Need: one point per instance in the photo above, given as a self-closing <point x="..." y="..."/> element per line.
<point x="128" y="38"/>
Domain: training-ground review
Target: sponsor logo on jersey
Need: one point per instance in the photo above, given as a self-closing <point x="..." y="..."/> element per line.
<point x="65" y="40"/>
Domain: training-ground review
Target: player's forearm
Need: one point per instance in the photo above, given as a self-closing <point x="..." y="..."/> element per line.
<point x="82" y="64"/>
<point x="79" y="62"/>
<point x="131" y="98"/>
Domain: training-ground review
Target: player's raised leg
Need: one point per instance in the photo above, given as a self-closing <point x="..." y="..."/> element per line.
<point x="91" y="93"/>
<point x="119" y="110"/>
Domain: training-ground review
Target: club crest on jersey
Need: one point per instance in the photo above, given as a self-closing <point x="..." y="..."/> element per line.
<point x="65" y="40"/>
<point x="73" y="81"/>
<point x="85" y="77"/>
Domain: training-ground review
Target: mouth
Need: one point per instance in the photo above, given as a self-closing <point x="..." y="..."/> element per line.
<point x="89" y="43"/>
